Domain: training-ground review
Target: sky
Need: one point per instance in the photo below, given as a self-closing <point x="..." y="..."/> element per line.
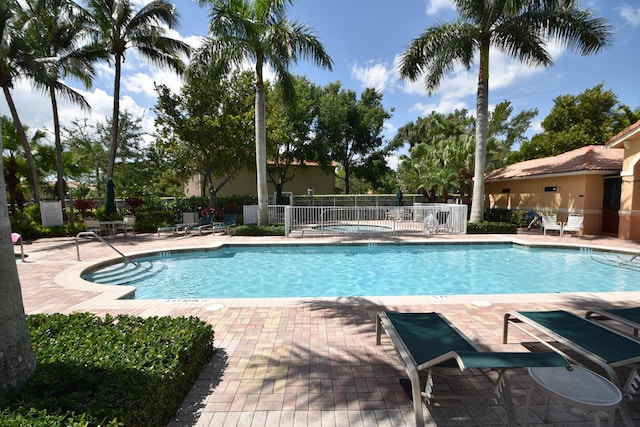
<point x="365" y="38"/>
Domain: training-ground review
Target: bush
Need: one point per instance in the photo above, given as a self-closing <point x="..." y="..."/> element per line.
<point x="121" y="370"/>
<point x="262" y="230"/>
<point x="492" y="228"/>
<point x="518" y="217"/>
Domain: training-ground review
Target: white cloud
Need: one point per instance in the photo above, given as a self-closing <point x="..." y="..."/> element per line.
<point x="458" y="88"/>
<point x="435" y="6"/>
<point x="442" y="106"/>
<point x="630" y="14"/>
<point x="377" y="76"/>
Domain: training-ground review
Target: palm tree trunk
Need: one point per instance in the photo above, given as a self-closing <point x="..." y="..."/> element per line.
<point x="58" y="144"/>
<point x="482" y="123"/>
<point x="261" y="155"/>
<point x="25" y="145"/>
<point x="17" y="360"/>
<point x="113" y="148"/>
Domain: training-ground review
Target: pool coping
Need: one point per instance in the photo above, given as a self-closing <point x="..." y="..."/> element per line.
<point x="121" y="295"/>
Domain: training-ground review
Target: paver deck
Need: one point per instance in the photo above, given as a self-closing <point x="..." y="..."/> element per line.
<point x="313" y="361"/>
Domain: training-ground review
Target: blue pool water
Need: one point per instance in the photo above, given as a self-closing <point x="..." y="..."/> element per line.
<point x="376" y="269"/>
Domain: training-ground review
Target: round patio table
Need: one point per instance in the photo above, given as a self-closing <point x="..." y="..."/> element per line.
<point x="577" y="387"/>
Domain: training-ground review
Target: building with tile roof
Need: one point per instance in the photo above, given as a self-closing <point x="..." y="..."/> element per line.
<point x="584" y="181"/>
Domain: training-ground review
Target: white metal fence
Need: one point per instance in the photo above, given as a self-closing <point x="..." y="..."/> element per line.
<point x="420" y="219"/>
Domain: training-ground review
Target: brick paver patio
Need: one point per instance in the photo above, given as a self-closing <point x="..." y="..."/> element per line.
<point x="312" y="362"/>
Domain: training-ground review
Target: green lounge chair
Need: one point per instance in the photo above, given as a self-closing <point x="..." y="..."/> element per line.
<point x="426" y="341"/>
<point x="626" y="316"/>
<point x="228" y="222"/>
<point x="173" y="229"/>
<point x="605" y="347"/>
<point x="206" y="223"/>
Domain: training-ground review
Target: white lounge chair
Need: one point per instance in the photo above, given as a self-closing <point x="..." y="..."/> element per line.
<point x="573" y="224"/>
<point x="550" y="222"/>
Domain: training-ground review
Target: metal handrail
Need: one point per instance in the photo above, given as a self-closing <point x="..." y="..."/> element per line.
<point x="93" y="234"/>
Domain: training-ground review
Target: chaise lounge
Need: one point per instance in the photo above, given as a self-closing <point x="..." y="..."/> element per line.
<point x="604" y="347"/>
<point x="629" y="317"/>
<point x="427" y="341"/>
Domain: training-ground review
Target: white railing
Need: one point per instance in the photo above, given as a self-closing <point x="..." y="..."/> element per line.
<point x="327" y="220"/>
<point x="250" y="214"/>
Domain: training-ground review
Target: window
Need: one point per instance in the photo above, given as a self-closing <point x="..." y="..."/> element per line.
<point x="506" y="190"/>
<point x="551" y="189"/>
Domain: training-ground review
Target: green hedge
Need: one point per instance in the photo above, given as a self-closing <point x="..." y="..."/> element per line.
<point x="492" y="228"/>
<point x="109" y="371"/>
<point x="255" y="230"/>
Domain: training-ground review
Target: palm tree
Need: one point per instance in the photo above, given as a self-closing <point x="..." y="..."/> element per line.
<point x="520" y="29"/>
<point x="17" y="359"/>
<point x="258" y="31"/>
<point x="118" y="27"/>
<point x="55" y="30"/>
<point x="16" y="61"/>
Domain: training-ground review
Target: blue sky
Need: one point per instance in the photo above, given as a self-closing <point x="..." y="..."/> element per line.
<point x="364" y="39"/>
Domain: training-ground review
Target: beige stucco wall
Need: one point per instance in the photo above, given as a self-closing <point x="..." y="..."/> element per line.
<point x="311" y="177"/>
<point x="571" y="197"/>
<point x="629" y="222"/>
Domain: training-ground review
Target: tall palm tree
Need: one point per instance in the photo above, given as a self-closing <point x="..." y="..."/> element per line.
<point x="520" y="29"/>
<point x="55" y="31"/>
<point x="16" y="61"/>
<point x="119" y="27"/>
<point x="17" y="359"/>
<point x="258" y="31"/>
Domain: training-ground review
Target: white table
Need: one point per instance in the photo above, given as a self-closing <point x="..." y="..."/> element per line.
<point x="578" y="387"/>
<point x="112" y="227"/>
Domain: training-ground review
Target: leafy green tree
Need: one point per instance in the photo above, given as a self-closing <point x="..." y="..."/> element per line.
<point x="441" y="156"/>
<point x="258" y="31"/>
<point x="87" y="152"/>
<point x="17" y="61"/>
<point x="519" y="29"/>
<point x="206" y="129"/>
<point x="590" y="118"/>
<point x="505" y="131"/>
<point x="289" y="129"/>
<point x="348" y="129"/>
<point x="374" y="173"/>
<point x="55" y="31"/>
<point x="117" y="27"/>
<point x="15" y="165"/>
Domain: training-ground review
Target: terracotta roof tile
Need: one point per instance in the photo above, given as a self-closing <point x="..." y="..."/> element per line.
<point x="590" y="158"/>
<point x="619" y="137"/>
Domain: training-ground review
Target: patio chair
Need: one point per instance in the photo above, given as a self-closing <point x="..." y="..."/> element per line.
<point x="227" y="224"/>
<point x="605" y="347"/>
<point x="426" y="341"/>
<point x="128" y="225"/>
<point x="573" y="224"/>
<point x="206" y="223"/>
<point x="92" y="224"/>
<point x="629" y="317"/>
<point x="550" y="222"/>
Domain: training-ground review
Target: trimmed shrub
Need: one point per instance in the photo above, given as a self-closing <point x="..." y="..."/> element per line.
<point x="121" y="370"/>
<point x="492" y="228"/>
<point x="255" y="230"/>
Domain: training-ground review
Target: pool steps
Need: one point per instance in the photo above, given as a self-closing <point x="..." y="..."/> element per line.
<point x="125" y="273"/>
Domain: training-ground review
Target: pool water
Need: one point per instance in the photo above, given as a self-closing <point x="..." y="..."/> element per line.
<point x="377" y="269"/>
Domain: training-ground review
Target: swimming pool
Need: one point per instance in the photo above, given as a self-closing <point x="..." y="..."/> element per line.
<point x="276" y="271"/>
